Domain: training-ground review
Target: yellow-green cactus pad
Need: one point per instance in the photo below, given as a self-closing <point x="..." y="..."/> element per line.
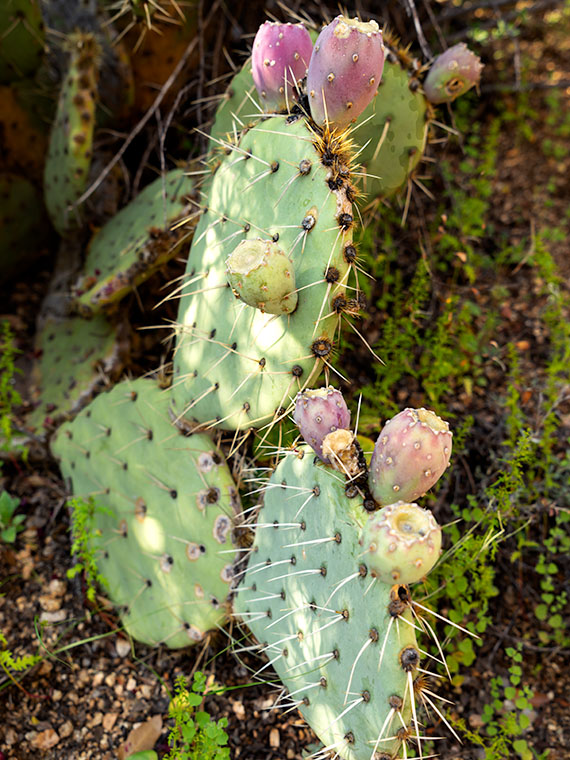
<point x="163" y="512"/>
<point x="136" y="242"/>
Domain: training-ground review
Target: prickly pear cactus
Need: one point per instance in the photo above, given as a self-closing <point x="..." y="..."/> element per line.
<point x="452" y="73"/>
<point x="23" y="141"/>
<point x="74" y="358"/>
<point x="345" y="70"/>
<point x="135" y="242"/>
<point x="23" y="223"/>
<point x="163" y="512"/>
<point x="393" y="132"/>
<point x="341" y="640"/>
<point x="234" y="365"/>
<point x="236" y="110"/>
<point x="21" y="38"/>
<point x="71" y="141"/>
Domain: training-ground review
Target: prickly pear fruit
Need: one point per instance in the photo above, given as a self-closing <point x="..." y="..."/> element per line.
<point x="262" y="275"/>
<point x="452" y="73"/>
<point x="345" y="70"/>
<point x="411" y="454"/>
<point x="403" y="542"/>
<point x="318" y="413"/>
<point x="280" y="57"/>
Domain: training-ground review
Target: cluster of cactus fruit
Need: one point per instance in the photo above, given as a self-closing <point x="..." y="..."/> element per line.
<point x="271" y="276"/>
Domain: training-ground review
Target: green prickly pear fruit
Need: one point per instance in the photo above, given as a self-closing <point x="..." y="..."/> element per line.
<point x="411" y="454"/>
<point x="344" y="71"/>
<point x="262" y="275"/>
<point x="452" y="73"/>
<point x="319" y="413"/>
<point x="280" y="57"/>
<point x="403" y="542"/>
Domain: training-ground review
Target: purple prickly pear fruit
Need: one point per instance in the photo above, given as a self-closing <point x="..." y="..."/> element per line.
<point x="279" y="59"/>
<point x="403" y="542"/>
<point x="410" y="455"/>
<point x="344" y="71"/>
<point x="318" y="413"/>
<point x="452" y="73"/>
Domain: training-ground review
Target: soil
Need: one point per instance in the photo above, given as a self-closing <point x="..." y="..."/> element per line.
<point x="93" y="685"/>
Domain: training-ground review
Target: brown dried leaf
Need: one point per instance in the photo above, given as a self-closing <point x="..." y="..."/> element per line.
<point x="141" y="738"/>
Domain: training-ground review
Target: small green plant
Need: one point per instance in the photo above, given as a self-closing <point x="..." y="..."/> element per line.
<point x="10" y="524"/>
<point x="195" y="736"/>
<point x="9" y="396"/>
<point x="11" y="663"/>
<point x="83" y="546"/>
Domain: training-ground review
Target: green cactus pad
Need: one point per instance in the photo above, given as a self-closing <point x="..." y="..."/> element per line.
<point x="23" y="223"/>
<point x="164" y="505"/>
<point x="235" y="366"/>
<point x="340" y="640"/>
<point x="135" y="243"/>
<point x="21" y="38"/>
<point x="74" y="358"/>
<point x="237" y="108"/>
<point x="71" y="141"/>
<point x="395" y="127"/>
<point x="386" y="167"/>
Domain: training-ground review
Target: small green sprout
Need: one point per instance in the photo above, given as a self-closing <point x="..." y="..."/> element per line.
<point x="10" y="524"/>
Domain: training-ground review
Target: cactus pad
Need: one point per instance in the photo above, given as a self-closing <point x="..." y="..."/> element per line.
<point x="21" y="38"/>
<point x="71" y="141"/>
<point x="74" y="357"/>
<point x="235" y="366"/>
<point x="340" y="639"/>
<point x="236" y="109"/>
<point x="135" y="243"/>
<point x="23" y="223"/>
<point x="164" y="506"/>
<point x="395" y="126"/>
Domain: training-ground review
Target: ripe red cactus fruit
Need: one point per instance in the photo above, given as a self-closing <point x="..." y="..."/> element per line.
<point x="344" y="71"/>
<point x="452" y="73"/>
<point x="411" y="454"/>
<point x="318" y="413"/>
<point x="279" y="59"/>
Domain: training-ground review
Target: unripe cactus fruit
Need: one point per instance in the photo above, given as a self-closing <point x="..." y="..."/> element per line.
<point x="318" y="413"/>
<point x="279" y="58"/>
<point x="411" y="454"/>
<point x="345" y="70"/>
<point x="262" y="275"/>
<point x="452" y="73"/>
<point x="403" y="542"/>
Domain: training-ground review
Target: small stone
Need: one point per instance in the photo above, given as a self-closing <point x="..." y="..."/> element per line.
<point x="57" y="587"/>
<point x="123" y="647"/>
<point x="111" y="679"/>
<point x="45" y="739"/>
<point x="131" y="684"/>
<point x="66" y="729"/>
<point x="109" y="720"/>
<point x="239" y="710"/>
<point x="98" y="679"/>
<point x="53" y="617"/>
<point x="274" y="739"/>
<point x="56" y="695"/>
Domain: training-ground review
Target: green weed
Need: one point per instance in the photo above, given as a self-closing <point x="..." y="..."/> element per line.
<point x="10" y="523"/>
<point x="195" y="736"/>
<point x="84" y="544"/>
<point x="9" y="396"/>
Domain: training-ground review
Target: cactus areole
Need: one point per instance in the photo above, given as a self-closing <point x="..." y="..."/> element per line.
<point x="344" y="71"/>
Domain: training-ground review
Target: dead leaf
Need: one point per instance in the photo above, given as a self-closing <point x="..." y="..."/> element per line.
<point x="141" y="738"/>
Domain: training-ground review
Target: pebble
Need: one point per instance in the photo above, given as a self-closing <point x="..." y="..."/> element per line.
<point x="123" y="647"/>
<point x="53" y="617"/>
<point x="45" y="739"/>
<point x="66" y="729"/>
